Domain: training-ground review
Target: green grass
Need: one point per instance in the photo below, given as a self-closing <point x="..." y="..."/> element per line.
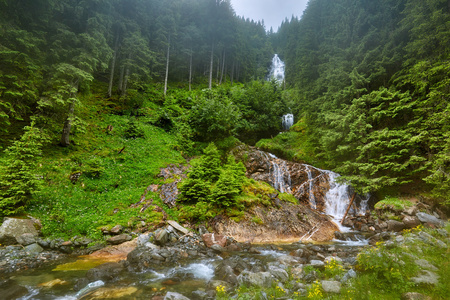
<point x="393" y="203"/>
<point x="110" y="181"/>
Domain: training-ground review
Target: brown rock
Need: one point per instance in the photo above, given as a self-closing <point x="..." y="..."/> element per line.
<point x="396" y="226"/>
<point x="414" y="296"/>
<point x="119" y="239"/>
<point x="212" y="238"/>
<point x="411" y="221"/>
<point x="116" y="229"/>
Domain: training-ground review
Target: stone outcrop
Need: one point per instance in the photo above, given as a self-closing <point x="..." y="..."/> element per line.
<point x="305" y="182"/>
<point x="289" y="223"/>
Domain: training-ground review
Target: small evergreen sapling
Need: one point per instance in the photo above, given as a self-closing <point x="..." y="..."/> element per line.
<point x="18" y="178"/>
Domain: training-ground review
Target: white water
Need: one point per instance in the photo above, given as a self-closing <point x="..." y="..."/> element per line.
<point x="279" y="173"/>
<point x="312" y="199"/>
<point x="337" y="198"/>
<point x="287" y="121"/>
<point x="277" y="69"/>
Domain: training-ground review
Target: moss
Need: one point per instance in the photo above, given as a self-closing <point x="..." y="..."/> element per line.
<point x="390" y="203"/>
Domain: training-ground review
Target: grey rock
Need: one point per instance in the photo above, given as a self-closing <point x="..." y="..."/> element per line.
<point x="225" y="273"/>
<point x="287" y="260"/>
<point x="426" y="218"/>
<point x="279" y="274"/>
<point x="330" y="286"/>
<point x="13" y="228"/>
<point x="350" y="274"/>
<point x="411" y="210"/>
<point x="151" y="246"/>
<point x="34" y="249"/>
<point x="317" y="263"/>
<point x="26" y="239"/>
<point x="414" y="296"/>
<point x="199" y="295"/>
<point x="431" y="240"/>
<point x="424" y="264"/>
<point x="175" y="296"/>
<point x="105" y="272"/>
<point x="178" y="227"/>
<point x="142" y="239"/>
<point x="259" y="279"/>
<point x="426" y="278"/>
<point x="162" y="237"/>
<point x="217" y="248"/>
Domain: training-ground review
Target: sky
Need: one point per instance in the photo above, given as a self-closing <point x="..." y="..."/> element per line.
<point x="273" y="12"/>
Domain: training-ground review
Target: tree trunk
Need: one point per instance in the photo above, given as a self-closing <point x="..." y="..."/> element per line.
<point x="190" y="71"/>
<point x="218" y="70"/>
<point x="211" y="66"/>
<point x="127" y="74"/>
<point x="167" y="68"/>
<point x="113" y="66"/>
<point x="223" y="67"/>
<point x="232" y="73"/>
<point x="120" y="86"/>
<point x="65" y="136"/>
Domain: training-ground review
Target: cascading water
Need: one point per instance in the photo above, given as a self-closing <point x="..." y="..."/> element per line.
<point x="277" y="69"/>
<point x="337" y="198"/>
<point x="287" y="121"/>
<point x="280" y="174"/>
<point x="312" y="199"/>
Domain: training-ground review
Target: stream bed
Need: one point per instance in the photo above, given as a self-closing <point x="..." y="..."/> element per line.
<point x="189" y="276"/>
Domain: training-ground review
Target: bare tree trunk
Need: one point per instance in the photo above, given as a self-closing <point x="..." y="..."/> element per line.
<point x="65" y="136"/>
<point x="190" y="71"/>
<point x="218" y="70"/>
<point x="127" y="74"/>
<point x="232" y="73"/>
<point x="211" y="66"/>
<point x="167" y="67"/>
<point x="120" y="86"/>
<point x="223" y="67"/>
<point x="113" y="65"/>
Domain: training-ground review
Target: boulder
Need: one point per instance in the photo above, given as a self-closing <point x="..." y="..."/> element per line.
<point x="175" y="296"/>
<point x="414" y="296"/>
<point x="13" y="228"/>
<point x="26" y="239"/>
<point x="426" y="218"/>
<point x="426" y="278"/>
<point x="259" y="279"/>
<point x="162" y="236"/>
<point x="411" y="221"/>
<point x="34" y="249"/>
<point x="11" y="290"/>
<point x="279" y="274"/>
<point x="116" y="229"/>
<point x="396" y="226"/>
<point x="212" y="238"/>
<point x="105" y="272"/>
<point x="178" y="227"/>
<point x="119" y="239"/>
<point x="330" y="286"/>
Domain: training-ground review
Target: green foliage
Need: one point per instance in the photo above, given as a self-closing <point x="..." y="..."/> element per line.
<point x="210" y="181"/>
<point x="390" y="268"/>
<point x="214" y="116"/>
<point x="19" y="178"/>
<point x="133" y="131"/>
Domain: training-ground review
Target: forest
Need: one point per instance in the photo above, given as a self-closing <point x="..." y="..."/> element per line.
<point x="97" y="95"/>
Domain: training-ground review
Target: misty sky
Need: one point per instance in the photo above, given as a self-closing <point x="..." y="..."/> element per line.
<point x="272" y="11"/>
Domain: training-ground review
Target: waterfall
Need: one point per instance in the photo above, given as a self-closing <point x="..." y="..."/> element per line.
<point x="277" y="69"/>
<point x="287" y="121"/>
<point x="312" y="199"/>
<point x="279" y="173"/>
<point x="337" y="198"/>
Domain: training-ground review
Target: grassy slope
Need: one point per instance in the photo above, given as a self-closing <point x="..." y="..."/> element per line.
<point x="110" y="182"/>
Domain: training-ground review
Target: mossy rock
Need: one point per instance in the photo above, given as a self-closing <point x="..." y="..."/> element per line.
<point x="394" y="204"/>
